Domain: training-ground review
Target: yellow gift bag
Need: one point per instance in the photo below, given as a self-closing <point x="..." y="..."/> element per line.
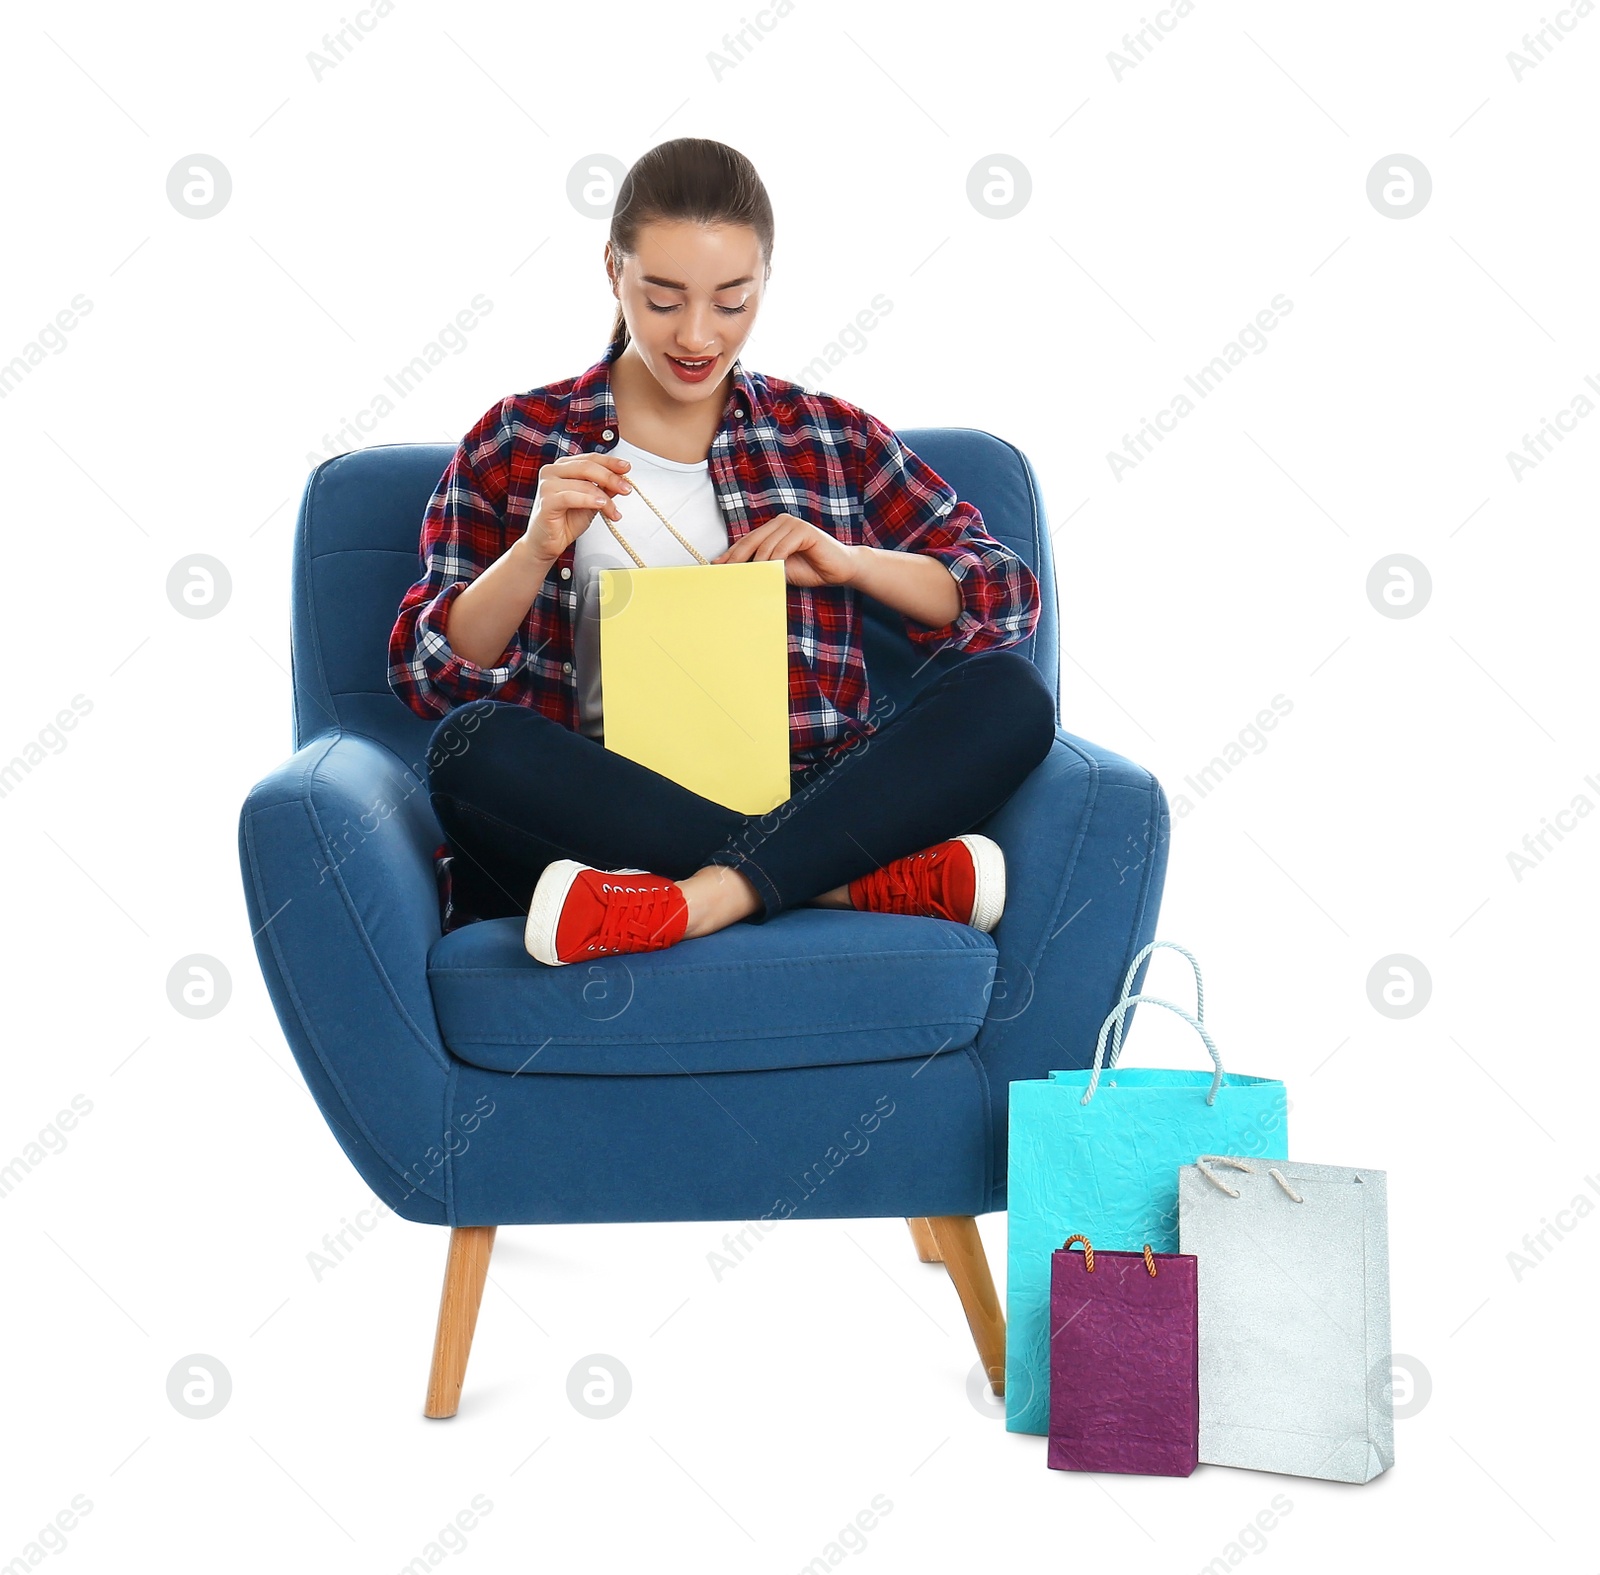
<point x="694" y="674"/>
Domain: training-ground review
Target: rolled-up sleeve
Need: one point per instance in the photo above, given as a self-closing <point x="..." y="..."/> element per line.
<point x="909" y="507"/>
<point x="463" y="532"/>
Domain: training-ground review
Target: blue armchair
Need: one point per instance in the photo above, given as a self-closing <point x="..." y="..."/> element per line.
<point x="826" y="1064"/>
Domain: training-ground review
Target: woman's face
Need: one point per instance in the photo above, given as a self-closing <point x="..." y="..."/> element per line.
<point x="690" y="295"/>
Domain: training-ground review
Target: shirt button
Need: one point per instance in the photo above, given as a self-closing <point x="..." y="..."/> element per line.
<point x="608" y="434"/>
<point x="738" y="412"/>
<point x="566" y="574"/>
<point x="566" y="667"/>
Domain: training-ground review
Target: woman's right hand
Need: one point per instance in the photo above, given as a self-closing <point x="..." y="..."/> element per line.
<point x="571" y="492"/>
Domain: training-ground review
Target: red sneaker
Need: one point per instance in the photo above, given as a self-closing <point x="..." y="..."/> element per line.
<point x="963" y="879"/>
<point x="579" y="912"/>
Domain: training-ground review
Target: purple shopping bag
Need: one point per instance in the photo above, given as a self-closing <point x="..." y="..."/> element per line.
<point x="1124" y="1361"/>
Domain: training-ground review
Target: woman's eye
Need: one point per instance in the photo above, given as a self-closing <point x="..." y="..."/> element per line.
<point x="729" y="311"/>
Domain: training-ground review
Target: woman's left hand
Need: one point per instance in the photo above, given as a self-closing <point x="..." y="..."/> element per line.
<point x="810" y="556"/>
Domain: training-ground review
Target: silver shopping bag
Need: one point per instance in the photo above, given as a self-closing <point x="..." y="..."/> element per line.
<point x="1293" y="1264"/>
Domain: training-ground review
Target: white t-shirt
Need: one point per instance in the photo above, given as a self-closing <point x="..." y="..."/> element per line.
<point x="687" y="496"/>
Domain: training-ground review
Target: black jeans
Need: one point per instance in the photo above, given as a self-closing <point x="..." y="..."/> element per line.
<point x="515" y="790"/>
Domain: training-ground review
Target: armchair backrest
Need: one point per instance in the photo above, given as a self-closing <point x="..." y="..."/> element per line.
<point x="356" y="551"/>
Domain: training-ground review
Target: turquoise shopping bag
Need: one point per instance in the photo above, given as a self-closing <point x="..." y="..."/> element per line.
<point x="1096" y="1153"/>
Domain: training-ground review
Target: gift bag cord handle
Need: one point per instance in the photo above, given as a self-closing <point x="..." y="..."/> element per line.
<point x="1116" y="1015"/>
<point x="1238" y="1164"/>
<point x="628" y="546"/>
<point x="1088" y="1254"/>
<point x="1127" y="984"/>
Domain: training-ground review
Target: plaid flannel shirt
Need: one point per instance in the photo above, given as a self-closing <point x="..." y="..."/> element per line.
<point x="779" y="449"/>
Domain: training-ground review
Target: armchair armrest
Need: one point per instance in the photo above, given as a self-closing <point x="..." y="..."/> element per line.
<point x="1085" y="839"/>
<point x="335" y="847"/>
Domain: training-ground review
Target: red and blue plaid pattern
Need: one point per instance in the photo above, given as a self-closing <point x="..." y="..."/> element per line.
<point x="780" y="450"/>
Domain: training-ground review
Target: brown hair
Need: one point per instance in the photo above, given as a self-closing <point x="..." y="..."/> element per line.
<point x="692" y="178"/>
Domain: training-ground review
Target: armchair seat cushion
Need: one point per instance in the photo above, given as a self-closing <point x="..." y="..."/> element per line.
<point x="810" y="987"/>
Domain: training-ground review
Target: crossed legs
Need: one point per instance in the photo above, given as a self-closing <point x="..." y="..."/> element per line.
<point x="515" y="790"/>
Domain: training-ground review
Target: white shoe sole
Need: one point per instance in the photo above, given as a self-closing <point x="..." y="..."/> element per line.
<point x="544" y="912"/>
<point x="989" y="880"/>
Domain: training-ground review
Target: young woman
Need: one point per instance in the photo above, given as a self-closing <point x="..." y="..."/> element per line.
<point x="499" y="636"/>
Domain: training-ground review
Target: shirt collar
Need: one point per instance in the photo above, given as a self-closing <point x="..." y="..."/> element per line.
<point x="591" y="408"/>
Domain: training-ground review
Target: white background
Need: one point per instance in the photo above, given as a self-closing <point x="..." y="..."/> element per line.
<point x="1167" y="208"/>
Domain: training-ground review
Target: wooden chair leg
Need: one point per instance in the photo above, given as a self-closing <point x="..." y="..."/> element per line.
<point x="465" y="1269"/>
<point x="961" y="1247"/>
<point x="927" y="1247"/>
